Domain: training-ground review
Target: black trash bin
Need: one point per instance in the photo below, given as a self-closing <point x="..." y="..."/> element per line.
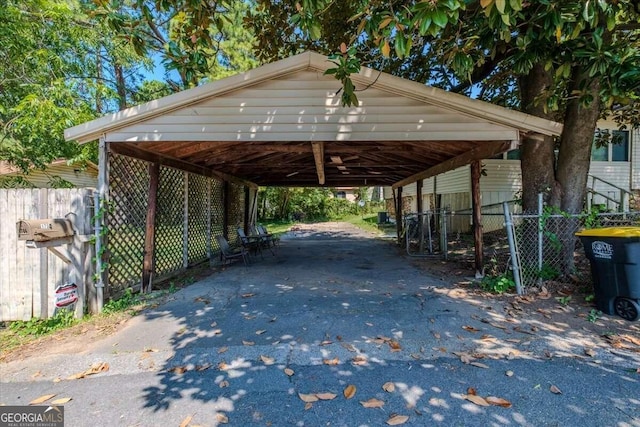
<point x="614" y="254"/>
<point x="383" y="217"/>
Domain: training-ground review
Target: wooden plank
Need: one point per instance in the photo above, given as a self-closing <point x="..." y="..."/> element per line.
<point x="150" y="229"/>
<point x="318" y="157"/>
<point x="483" y="150"/>
<point x="308" y="134"/>
<point x="476" y="205"/>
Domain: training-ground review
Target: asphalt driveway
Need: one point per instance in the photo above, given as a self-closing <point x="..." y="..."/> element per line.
<point x="279" y="343"/>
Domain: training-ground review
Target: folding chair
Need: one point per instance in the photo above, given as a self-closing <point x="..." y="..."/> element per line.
<point x="227" y="253"/>
<point x="250" y="243"/>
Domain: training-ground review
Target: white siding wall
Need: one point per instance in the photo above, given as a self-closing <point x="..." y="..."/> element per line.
<point x="502" y="181"/>
<point x="455" y="181"/>
<point x="87" y="178"/>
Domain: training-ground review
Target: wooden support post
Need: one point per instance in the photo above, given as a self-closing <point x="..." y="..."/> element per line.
<point x="476" y="205"/>
<point x="247" y="206"/>
<point x="102" y="217"/>
<point x="225" y="210"/>
<point x="421" y="218"/>
<point x="399" y="214"/>
<point x="150" y="228"/>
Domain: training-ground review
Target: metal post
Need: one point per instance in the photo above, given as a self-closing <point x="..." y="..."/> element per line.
<point x="512" y="248"/>
<point x="98" y="233"/>
<point x="443" y="231"/>
<point x="540" y="234"/>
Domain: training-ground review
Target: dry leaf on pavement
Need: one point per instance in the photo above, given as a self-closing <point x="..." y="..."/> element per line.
<point x="334" y="361"/>
<point x="186" y="421"/>
<point x="470" y="328"/>
<point x="480" y="401"/>
<point x="555" y="390"/>
<point x="479" y="365"/>
<point x="394" y="345"/>
<point x="349" y="391"/>
<point x="267" y="360"/>
<point x="41" y="399"/>
<point x="326" y="396"/>
<point x="222" y="350"/>
<point x="373" y="403"/>
<point x="222" y="418"/>
<point x="498" y="401"/>
<point x="389" y="387"/>
<point x="396" y="420"/>
<point x="308" y="398"/>
<point x="61" y="401"/>
<point x="289" y="371"/>
<point x="248" y="343"/>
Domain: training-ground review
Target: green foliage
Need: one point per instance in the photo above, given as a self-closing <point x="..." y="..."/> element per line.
<point x="594" y="315"/>
<point x="123" y="303"/>
<point x="38" y="327"/>
<point x="548" y="272"/>
<point x="498" y="284"/>
<point x="564" y="301"/>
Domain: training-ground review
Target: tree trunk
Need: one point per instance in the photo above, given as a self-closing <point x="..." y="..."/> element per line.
<point x="121" y="87"/>
<point x="537" y="159"/>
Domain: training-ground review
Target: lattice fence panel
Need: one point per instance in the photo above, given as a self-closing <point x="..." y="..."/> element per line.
<point x="198" y="234"/>
<point x="129" y="188"/>
<point x="236" y="211"/>
<point x="169" y="242"/>
<point x="217" y="212"/>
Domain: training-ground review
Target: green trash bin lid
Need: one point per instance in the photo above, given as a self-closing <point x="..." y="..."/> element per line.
<point x="611" y="232"/>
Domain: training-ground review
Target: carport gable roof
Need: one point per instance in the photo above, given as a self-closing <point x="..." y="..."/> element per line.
<point x="283" y="124"/>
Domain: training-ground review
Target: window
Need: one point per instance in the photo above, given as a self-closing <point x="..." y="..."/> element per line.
<point x="617" y="150"/>
<point x="513" y="154"/>
<point x="341" y="195"/>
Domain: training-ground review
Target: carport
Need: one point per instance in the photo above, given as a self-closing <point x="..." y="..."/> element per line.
<point x="180" y="169"/>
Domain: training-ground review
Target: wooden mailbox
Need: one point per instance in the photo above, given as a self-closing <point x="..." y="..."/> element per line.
<point x="44" y="230"/>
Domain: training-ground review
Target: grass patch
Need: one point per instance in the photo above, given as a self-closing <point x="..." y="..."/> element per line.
<point x="277" y="227"/>
<point x="368" y="222"/>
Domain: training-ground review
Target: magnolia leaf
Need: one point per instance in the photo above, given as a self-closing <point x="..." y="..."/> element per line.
<point x="555" y="389"/>
<point x="480" y="401"/>
<point x="396" y="420"/>
<point x="222" y="350"/>
<point x="334" y="361"/>
<point x="289" y="371"/>
<point x="349" y="391"/>
<point x="373" y="403"/>
<point x="308" y="406"/>
<point x="486" y="3"/>
<point x="186" y="421"/>
<point x="395" y="346"/>
<point x="326" y="396"/>
<point x="389" y="387"/>
<point x="41" y="399"/>
<point x="222" y="418"/>
<point x="385" y="49"/>
<point x="500" y="4"/>
<point x="61" y="401"/>
<point x="359" y="360"/>
<point x="308" y="398"/>
<point x="498" y="401"/>
<point x="267" y="360"/>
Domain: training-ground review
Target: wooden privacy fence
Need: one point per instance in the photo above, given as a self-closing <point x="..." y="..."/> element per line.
<point x="29" y="277"/>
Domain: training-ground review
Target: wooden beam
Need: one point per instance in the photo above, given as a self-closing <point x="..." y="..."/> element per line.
<point x="482" y="151"/>
<point x="318" y="157"/>
<point x="150" y="229"/>
<point x="476" y="205"/>
<point x="126" y="149"/>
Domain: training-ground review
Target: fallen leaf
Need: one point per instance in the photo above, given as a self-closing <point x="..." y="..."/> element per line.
<point x="389" y="387"/>
<point x="214" y="324"/>
<point x="334" y="361"/>
<point x="349" y="391"/>
<point x="396" y="420"/>
<point x="479" y="365"/>
<point x="223" y="366"/>
<point x="222" y="418"/>
<point x="222" y="350"/>
<point x="186" y="421"/>
<point x="308" y="398"/>
<point x="472" y="391"/>
<point x="248" y="295"/>
<point x="41" y="399"/>
<point x="308" y="406"/>
<point x="395" y="346"/>
<point x="61" y="401"/>
<point x="349" y="347"/>
<point x="36" y="374"/>
<point x="470" y="328"/>
<point x="57" y="380"/>
<point x="204" y="300"/>
<point x="509" y="373"/>
<point x="224" y="384"/>
<point x="261" y="331"/>
<point x="498" y="401"/>
<point x="368" y="323"/>
<point x="555" y="390"/>
<point x="326" y="396"/>
<point x="436" y="335"/>
<point x="96" y="368"/>
<point x="179" y="370"/>
<point x="480" y="401"/>
<point x="289" y="371"/>
<point x="326" y="342"/>
<point x="589" y="352"/>
<point x="204" y="367"/>
<point x="267" y="360"/>
<point x="373" y="403"/>
<point x="248" y="343"/>
<point x="359" y="360"/>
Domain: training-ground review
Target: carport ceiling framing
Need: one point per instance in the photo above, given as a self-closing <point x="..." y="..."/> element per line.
<point x="283" y="125"/>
